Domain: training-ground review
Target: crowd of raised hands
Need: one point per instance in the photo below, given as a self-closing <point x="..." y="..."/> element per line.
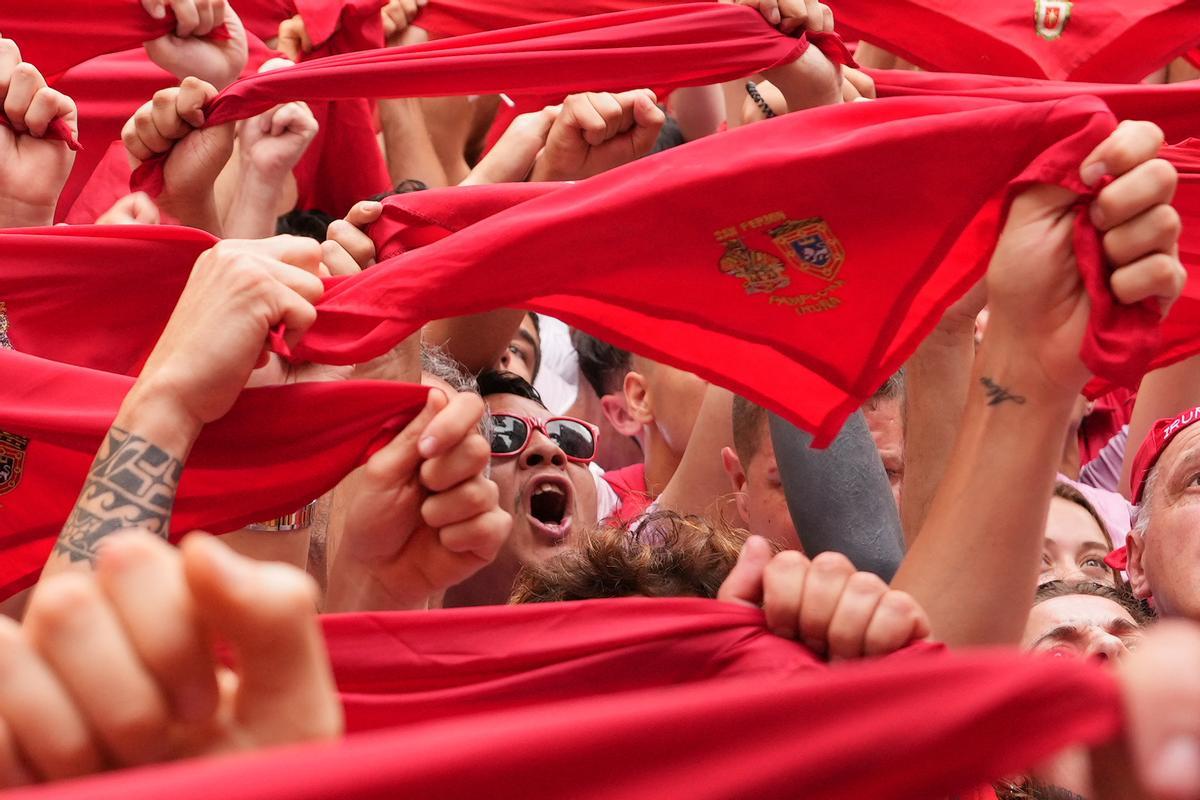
<point x="492" y="483"/>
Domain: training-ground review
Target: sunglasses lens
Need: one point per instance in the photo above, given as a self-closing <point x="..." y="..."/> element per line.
<point x="573" y="438"/>
<point x="508" y="434"/>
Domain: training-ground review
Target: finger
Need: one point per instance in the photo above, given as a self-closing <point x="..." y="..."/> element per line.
<point x="848" y="628"/>
<point x="1153" y="231"/>
<point x="650" y="120"/>
<point x="288" y="41"/>
<point x="143" y="210"/>
<point x="132" y="140"/>
<point x="151" y="136"/>
<point x="1129" y="145"/>
<point x="1141" y="188"/>
<point x="399" y="458"/>
<point x="481" y="537"/>
<point x="451" y="425"/>
<point x="193" y="95"/>
<point x="24" y="84"/>
<point x="1160" y="276"/>
<point x="44" y="722"/>
<point x="47" y="106"/>
<point x="794" y="16"/>
<point x="410" y="9"/>
<point x="10" y="57"/>
<point x="133" y="566"/>
<point x="74" y="629"/>
<point x="744" y="583"/>
<point x="826" y="18"/>
<point x="783" y="587"/>
<point x="897" y="621"/>
<point x="163" y="121"/>
<point x="186" y="17"/>
<point x="461" y="463"/>
<point x="861" y="81"/>
<point x="298" y="251"/>
<point x="337" y="260"/>
<point x="157" y="9"/>
<point x="353" y="241"/>
<point x="823" y="586"/>
<point x="302" y="282"/>
<point x="770" y="11"/>
<point x="267" y="614"/>
<point x="204" y="18"/>
<point x="12" y="771"/>
<point x="612" y="111"/>
<point x="218" y="12"/>
<point x="582" y="114"/>
<point x="364" y="212"/>
<point x="464" y="502"/>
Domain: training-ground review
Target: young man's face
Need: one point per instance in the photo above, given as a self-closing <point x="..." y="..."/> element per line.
<point x="760" y="499"/>
<point x="1081" y="626"/>
<point x="1165" y="562"/>
<point x="548" y="496"/>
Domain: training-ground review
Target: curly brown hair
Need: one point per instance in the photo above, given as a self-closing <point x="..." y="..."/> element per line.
<point x="663" y="554"/>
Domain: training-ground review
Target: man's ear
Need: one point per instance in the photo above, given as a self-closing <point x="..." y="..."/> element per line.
<point x="637" y="398"/>
<point x="1136" y="549"/>
<point x="737" y="480"/>
<point x="618" y="416"/>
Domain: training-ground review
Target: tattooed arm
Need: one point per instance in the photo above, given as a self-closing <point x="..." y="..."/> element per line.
<point x="974" y="567"/>
<point x="236" y="292"/>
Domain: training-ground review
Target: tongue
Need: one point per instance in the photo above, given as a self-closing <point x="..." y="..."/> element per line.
<point x="547" y="507"/>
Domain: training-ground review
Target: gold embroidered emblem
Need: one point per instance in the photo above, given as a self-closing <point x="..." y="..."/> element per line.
<point x="1050" y="17"/>
<point x="808" y="246"/>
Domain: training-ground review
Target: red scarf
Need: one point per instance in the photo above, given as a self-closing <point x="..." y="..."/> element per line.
<point x="642" y="697"/>
<point x="689" y="44"/>
<point x="773" y="305"/>
<point x="56" y="38"/>
<point x="1098" y="40"/>
<point x="1174" y="107"/>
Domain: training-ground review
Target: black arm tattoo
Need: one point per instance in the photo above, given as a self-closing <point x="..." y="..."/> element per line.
<point x="997" y="394"/>
<point x="132" y="484"/>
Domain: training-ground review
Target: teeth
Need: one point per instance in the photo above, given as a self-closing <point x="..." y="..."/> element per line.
<point x="548" y="487"/>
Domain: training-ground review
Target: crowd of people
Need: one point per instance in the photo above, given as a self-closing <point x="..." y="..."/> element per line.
<point x="989" y="493"/>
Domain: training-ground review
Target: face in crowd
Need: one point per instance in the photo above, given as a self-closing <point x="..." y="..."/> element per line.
<point x="1082" y="620"/>
<point x="523" y="355"/>
<point x="754" y="475"/>
<point x="1075" y="543"/>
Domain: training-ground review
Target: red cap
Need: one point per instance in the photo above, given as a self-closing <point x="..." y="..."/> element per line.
<point x="1152" y="447"/>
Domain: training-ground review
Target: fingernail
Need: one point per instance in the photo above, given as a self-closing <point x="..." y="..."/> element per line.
<point x="1096" y="215"/>
<point x="159" y="12"/>
<point x="427" y="446"/>
<point x="1092" y="173"/>
<point x="775" y="18"/>
<point x="1176" y="767"/>
<point x="372" y="205"/>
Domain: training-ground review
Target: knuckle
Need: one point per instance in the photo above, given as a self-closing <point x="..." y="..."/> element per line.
<point x="57" y="602"/>
<point x="135" y="721"/>
<point x="866" y="583"/>
<point x="832" y="561"/>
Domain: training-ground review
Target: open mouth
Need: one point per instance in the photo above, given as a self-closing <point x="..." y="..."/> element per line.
<point x="550" y="499"/>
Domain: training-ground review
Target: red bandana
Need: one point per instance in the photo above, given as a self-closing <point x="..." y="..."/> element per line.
<point x="1097" y="40"/>
<point x="641" y="697"/>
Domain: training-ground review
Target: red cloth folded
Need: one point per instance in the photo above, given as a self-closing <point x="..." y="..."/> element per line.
<point x="642" y="697"/>
<point x="73" y="31"/>
<point x="1100" y="40"/>
<point x="774" y="304"/>
<point x="463" y="17"/>
<point x="1174" y="107"/>
<point x="688" y="44"/>
<point x="58" y="129"/>
<point x="279" y="448"/>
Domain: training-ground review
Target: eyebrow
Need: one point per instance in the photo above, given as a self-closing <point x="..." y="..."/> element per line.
<point x="1123" y="627"/>
<point x="528" y="337"/>
<point x="1061" y="632"/>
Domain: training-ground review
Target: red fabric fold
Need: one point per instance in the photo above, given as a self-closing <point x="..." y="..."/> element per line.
<point x="279" y="448"/>
<point x="1101" y="40"/>
<point x="73" y="31"/>
<point x="58" y="130"/>
<point x="1175" y="107"/>
<point x="659" y="285"/>
<point x="683" y="45"/>
<point x="748" y="714"/>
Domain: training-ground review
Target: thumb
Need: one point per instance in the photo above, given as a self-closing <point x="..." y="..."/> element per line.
<point x="398" y="460"/>
<point x="744" y="584"/>
<point x="267" y="614"/>
<point x="155" y="8"/>
<point x="1040" y="201"/>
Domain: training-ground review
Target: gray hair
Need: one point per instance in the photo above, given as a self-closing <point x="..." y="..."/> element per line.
<point x="440" y="364"/>
<point x="1141" y="512"/>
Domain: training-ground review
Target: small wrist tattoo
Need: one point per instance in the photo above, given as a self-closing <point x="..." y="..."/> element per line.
<point x="997" y="394"/>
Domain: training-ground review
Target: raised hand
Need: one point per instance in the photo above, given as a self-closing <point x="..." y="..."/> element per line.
<point x="133" y="209"/>
<point x="422" y="515"/>
<point x="188" y="51"/>
<point x="33" y="168"/>
<point x="398" y="15"/>
<point x="597" y="131"/>
<point x="161" y="693"/>
<point x="838" y="612"/>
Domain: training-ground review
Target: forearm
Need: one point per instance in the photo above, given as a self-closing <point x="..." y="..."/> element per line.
<point x="257" y="203"/>
<point x="936" y="381"/>
<point x="476" y="341"/>
<point x="133" y="481"/>
<point x="700" y="485"/>
<point x="839" y="498"/>
<point x="808" y="82"/>
<point x="407" y="144"/>
<point x="699" y="110"/>
<point x="974" y="567"/>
